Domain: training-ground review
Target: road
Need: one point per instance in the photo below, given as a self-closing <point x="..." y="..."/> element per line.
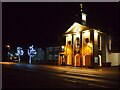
<point x="19" y="75"/>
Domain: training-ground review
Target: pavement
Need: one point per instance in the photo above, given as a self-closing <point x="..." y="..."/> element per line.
<point x="111" y="74"/>
<point x="107" y="70"/>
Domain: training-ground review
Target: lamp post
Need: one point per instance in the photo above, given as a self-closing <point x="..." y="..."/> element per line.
<point x="8" y="46"/>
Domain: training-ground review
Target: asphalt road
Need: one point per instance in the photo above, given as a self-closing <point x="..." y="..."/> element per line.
<point x="18" y="75"/>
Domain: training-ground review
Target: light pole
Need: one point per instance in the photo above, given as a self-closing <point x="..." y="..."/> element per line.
<point x="8" y="46"/>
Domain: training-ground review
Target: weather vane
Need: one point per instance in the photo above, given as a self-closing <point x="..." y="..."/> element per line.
<point x="81" y="6"/>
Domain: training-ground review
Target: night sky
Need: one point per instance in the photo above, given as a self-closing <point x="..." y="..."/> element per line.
<point x="42" y="24"/>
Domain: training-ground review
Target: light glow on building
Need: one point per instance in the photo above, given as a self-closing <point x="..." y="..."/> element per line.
<point x="77" y="34"/>
<point x="96" y="35"/>
<point x="87" y="33"/>
<point x="63" y="48"/>
<point x="69" y="37"/>
<point x="84" y="47"/>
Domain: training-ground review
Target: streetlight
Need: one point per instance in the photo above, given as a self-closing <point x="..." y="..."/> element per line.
<point x="62" y="48"/>
<point x="8" y="46"/>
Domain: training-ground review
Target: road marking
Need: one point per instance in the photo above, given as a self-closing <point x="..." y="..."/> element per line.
<point x="76" y="77"/>
<point x="102" y="81"/>
<point x="97" y="85"/>
<point x="70" y="80"/>
<point x="85" y="74"/>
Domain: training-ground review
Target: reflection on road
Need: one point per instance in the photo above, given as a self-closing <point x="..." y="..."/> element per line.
<point x="8" y="63"/>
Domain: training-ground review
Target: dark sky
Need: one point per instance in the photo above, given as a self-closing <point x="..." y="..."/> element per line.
<point x="41" y="24"/>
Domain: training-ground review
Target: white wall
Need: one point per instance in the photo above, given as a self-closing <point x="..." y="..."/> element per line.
<point x="119" y="58"/>
<point x="115" y="59"/>
<point x="107" y="55"/>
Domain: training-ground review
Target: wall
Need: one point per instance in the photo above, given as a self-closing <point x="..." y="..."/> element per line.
<point x="103" y="48"/>
<point x="115" y="59"/>
<point x="85" y="48"/>
<point x="95" y="43"/>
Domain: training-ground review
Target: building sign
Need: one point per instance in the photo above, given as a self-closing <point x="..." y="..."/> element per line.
<point x="96" y="59"/>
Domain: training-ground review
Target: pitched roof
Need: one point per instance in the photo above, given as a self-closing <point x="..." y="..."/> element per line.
<point x="76" y="27"/>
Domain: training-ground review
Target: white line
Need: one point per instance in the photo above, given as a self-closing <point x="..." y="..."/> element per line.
<point x="87" y="78"/>
<point x="70" y="80"/>
<point x="97" y="85"/>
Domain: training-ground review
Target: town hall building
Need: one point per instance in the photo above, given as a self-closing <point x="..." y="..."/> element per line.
<point x="85" y="46"/>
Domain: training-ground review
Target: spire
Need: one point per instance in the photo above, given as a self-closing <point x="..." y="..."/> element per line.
<point x="83" y="15"/>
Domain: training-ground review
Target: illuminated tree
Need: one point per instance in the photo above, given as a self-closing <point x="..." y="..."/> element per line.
<point x="31" y="52"/>
<point x="19" y="53"/>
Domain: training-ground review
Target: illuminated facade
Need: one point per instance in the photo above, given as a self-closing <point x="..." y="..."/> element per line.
<point x="85" y="47"/>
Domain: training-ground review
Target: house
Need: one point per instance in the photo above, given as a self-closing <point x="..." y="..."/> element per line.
<point x="39" y="56"/>
<point x="51" y="54"/>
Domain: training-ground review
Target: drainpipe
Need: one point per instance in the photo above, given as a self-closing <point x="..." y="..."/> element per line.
<point x="92" y="41"/>
<point x="81" y="59"/>
<point x="72" y="50"/>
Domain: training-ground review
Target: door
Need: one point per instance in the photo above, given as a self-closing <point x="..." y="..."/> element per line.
<point x="77" y="60"/>
<point x="88" y="60"/>
<point x="69" y="59"/>
<point x="61" y="59"/>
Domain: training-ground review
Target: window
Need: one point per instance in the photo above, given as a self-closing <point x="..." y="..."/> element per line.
<point x="69" y="42"/>
<point x="99" y="42"/>
<point x="78" y="41"/>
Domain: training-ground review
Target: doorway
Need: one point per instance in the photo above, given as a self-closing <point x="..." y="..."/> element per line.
<point x="88" y="60"/>
<point x="63" y="60"/>
<point x="77" y="60"/>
